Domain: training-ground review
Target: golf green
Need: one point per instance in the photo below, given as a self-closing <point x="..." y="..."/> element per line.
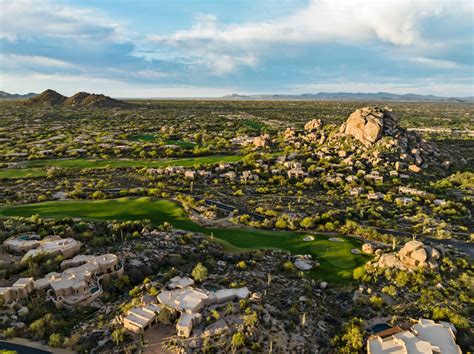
<point x="37" y="168"/>
<point x="337" y="261"/>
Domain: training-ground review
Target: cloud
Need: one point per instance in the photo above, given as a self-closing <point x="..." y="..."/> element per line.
<point x="20" y="62"/>
<point x="435" y="63"/>
<point x="321" y="41"/>
<point x="30" y="18"/>
<point x="356" y="22"/>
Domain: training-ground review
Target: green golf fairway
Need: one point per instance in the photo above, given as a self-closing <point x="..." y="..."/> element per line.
<point x="37" y="168"/>
<point x="337" y="261"/>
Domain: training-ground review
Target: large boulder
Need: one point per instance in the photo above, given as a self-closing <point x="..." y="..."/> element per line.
<point x="368" y="124"/>
<point x="313" y="125"/>
<point x="368" y="248"/>
<point x="411" y="246"/>
<point x="413" y="255"/>
<point x="261" y="141"/>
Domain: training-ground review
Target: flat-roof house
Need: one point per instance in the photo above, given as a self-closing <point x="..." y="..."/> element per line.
<point x="178" y="282"/>
<point x="79" y="283"/>
<point x="21" y="289"/>
<point x="185" y="323"/>
<point x="425" y="337"/>
<point x="190" y="301"/>
<point x="67" y="247"/>
<point x="22" y="244"/>
<point x="375" y="196"/>
<point x="139" y="319"/>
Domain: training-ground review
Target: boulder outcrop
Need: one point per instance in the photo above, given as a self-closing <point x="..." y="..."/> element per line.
<point x="413" y="255"/>
<point x="369" y="123"/>
<point x="312" y="125"/>
<point x="261" y="141"/>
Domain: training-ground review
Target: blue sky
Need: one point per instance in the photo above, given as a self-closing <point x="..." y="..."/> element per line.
<point x="181" y="48"/>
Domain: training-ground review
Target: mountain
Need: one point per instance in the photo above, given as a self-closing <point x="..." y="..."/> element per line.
<point x="47" y="98"/>
<point x="349" y="96"/>
<point x="15" y="96"/>
<point x="84" y="99"/>
<point x="81" y="99"/>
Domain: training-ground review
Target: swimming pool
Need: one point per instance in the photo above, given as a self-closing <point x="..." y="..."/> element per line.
<point x="379" y="327"/>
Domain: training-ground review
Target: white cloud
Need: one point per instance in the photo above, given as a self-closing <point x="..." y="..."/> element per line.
<point x="29" y="18"/>
<point x="389" y="22"/>
<point x="435" y="63"/>
<point x="22" y="62"/>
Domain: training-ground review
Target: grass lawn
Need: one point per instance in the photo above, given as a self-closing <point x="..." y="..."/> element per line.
<point x="37" y="168"/>
<point x="22" y="173"/>
<point x="142" y="137"/>
<point x="124" y="163"/>
<point x="180" y="143"/>
<point x="337" y="262"/>
<point x="253" y="124"/>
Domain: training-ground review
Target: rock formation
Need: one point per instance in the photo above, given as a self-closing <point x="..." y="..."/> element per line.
<point x="261" y="141"/>
<point x="378" y="130"/>
<point x="312" y="125"/>
<point x="413" y="255"/>
<point x="369" y="123"/>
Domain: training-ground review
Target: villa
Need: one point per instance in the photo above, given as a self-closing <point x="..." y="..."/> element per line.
<point x="31" y="246"/>
<point x="21" y="289"/>
<point x="426" y="336"/>
<point x="77" y="285"/>
<point x="184" y="298"/>
<point x="375" y="196"/>
<point x="139" y="319"/>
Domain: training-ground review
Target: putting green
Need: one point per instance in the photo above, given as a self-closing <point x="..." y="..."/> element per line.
<point x="337" y="262"/>
<point x="37" y="168"/>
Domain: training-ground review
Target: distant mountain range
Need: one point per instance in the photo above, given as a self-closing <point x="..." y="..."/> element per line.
<point x="348" y="96"/>
<point x="15" y="96"/>
<point x="379" y="96"/>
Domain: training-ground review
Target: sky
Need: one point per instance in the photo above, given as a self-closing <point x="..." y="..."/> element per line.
<point x="190" y="48"/>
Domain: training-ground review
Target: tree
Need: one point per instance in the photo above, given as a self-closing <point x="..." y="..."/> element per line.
<point x="98" y="195"/>
<point x="307" y="222"/>
<point x="199" y="272"/>
<point x="352" y="338"/>
<point x="56" y="340"/>
<point x="250" y="319"/>
<point x="238" y="340"/>
<point x="118" y="336"/>
<point x="164" y="316"/>
<point x="281" y="223"/>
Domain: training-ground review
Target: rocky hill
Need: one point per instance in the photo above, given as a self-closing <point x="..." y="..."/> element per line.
<point x="47" y="98"/>
<point x="81" y="99"/>
<point x="378" y="129"/>
<point x="84" y="99"/>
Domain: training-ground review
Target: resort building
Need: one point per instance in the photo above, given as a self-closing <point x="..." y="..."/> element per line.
<point x="79" y="283"/>
<point x="425" y="337"/>
<point x="31" y="246"/>
<point x="185" y="299"/>
<point x="21" y="289"/>
<point x="22" y="244"/>
<point x="139" y="319"/>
